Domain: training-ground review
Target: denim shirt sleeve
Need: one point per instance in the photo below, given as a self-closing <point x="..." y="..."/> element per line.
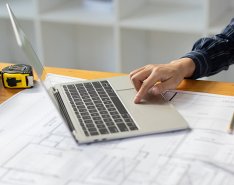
<point x="213" y="54"/>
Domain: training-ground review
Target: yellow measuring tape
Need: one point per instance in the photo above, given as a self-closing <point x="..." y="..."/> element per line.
<point x="17" y="76"/>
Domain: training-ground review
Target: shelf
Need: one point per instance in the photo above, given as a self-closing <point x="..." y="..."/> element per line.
<point x="166" y="17"/>
<point x="112" y="35"/>
<point x="23" y="9"/>
<point x="82" y="12"/>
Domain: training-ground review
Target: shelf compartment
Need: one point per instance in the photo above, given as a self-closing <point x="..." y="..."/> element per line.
<point x="78" y="46"/>
<point x="23" y="9"/>
<point x="82" y="12"/>
<point x="140" y="47"/>
<point x="167" y="17"/>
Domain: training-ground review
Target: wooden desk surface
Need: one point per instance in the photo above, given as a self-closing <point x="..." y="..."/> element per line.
<point x="222" y="88"/>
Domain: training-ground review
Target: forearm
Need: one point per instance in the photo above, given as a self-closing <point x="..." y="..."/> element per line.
<point x="213" y="54"/>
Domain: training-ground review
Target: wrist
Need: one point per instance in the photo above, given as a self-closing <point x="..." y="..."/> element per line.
<point x="186" y="66"/>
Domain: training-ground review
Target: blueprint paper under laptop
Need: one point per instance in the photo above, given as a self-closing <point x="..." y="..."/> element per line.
<point x="37" y="148"/>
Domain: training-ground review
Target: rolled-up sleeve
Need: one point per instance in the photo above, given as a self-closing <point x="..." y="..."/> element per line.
<point x="213" y="54"/>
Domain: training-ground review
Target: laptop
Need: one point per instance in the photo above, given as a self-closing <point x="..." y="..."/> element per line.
<point x="103" y="109"/>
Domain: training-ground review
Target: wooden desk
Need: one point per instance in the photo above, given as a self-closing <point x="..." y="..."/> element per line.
<point x="222" y="88"/>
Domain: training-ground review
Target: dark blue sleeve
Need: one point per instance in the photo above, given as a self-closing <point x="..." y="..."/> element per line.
<point x="213" y="54"/>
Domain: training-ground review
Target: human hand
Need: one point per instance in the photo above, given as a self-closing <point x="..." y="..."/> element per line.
<point x="157" y="78"/>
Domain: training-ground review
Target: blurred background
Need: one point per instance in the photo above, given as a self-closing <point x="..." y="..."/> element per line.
<point x="112" y="35"/>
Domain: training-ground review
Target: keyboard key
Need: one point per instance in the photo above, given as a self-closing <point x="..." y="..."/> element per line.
<point x="97" y="101"/>
<point x="82" y="124"/>
<point x="80" y="107"/>
<point x="113" y="129"/>
<point x="79" y="85"/>
<point x="103" y="112"/>
<point x="105" y="116"/>
<point x="89" y="103"/>
<point x="97" y="122"/>
<point x="83" y="127"/>
<point x="94" y="133"/>
<point x="115" y="116"/>
<point x="70" y="87"/>
<point x="80" y="120"/>
<point x="99" y="105"/>
<point x="96" y="98"/>
<point x="109" y="106"/>
<point x="111" y="123"/>
<point x="88" y="121"/>
<point x="122" y="127"/>
<point x="101" y="108"/>
<point x="87" y="85"/>
<point x="94" y="114"/>
<point x="119" y="105"/>
<point x="86" y="133"/>
<point x="91" y="107"/>
<point x="82" y="110"/>
<point x="97" y="118"/>
<point x="112" y="109"/>
<point x="91" y="129"/>
<point x="133" y="128"/>
<point x="118" y="120"/>
<point x="107" y="102"/>
<point x="86" y="117"/>
<point x="103" y="131"/>
<point x="100" y="126"/>
<point x="90" y="126"/>
<point x="105" y="84"/>
<point x="84" y="114"/>
<point x="93" y="111"/>
<point x="107" y="120"/>
<point x="105" y="99"/>
<point x="128" y="120"/>
<point x="86" y="98"/>
<point x="104" y="96"/>
<point x="130" y="124"/>
<point x="97" y="84"/>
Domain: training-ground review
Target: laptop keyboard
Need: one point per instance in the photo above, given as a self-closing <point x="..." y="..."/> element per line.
<point x="98" y="108"/>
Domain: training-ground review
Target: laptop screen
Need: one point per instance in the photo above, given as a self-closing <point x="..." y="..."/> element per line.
<point x="24" y="43"/>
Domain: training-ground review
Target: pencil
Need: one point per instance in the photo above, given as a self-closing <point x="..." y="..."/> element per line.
<point x="231" y="125"/>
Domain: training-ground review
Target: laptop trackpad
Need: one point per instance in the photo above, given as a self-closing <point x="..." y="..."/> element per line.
<point x="154" y="112"/>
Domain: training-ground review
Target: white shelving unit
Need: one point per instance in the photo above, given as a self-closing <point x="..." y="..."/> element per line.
<point x="112" y="35"/>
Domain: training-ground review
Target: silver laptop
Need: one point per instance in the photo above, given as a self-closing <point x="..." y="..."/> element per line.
<point x="103" y="109"/>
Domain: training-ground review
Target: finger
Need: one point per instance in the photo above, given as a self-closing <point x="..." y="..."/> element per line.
<point x="139" y="77"/>
<point x="147" y="84"/>
<point x="136" y="71"/>
<point x="161" y="87"/>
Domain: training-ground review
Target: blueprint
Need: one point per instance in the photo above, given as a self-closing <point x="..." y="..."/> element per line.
<point x="36" y="147"/>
